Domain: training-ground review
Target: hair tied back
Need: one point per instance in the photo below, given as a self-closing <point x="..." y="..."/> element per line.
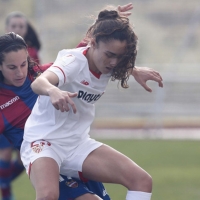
<point x="106" y="14"/>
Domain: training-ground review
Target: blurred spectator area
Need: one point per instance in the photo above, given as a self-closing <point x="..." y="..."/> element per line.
<point x="176" y="105"/>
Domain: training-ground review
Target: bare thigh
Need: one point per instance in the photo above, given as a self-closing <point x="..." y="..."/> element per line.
<point x="107" y="165"/>
<point x="45" y="177"/>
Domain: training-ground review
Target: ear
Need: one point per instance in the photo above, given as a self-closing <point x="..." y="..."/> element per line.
<point x="93" y="43"/>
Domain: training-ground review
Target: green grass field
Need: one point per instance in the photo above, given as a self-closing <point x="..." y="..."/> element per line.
<point x="174" y="166"/>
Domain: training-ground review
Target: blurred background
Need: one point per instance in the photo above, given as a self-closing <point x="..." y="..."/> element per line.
<point x="169" y="42"/>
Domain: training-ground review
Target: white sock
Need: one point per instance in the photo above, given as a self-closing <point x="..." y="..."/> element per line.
<point x="137" y="195"/>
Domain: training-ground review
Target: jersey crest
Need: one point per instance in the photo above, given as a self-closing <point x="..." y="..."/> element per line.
<point x="68" y="59"/>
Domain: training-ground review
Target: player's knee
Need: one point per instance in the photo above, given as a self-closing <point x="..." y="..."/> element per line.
<point x="140" y="182"/>
<point x="146" y="182"/>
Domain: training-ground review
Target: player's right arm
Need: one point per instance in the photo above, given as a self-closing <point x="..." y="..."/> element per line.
<point x="46" y="84"/>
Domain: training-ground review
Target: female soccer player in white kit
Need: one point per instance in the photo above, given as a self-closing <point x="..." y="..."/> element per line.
<point x="57" y="140"/>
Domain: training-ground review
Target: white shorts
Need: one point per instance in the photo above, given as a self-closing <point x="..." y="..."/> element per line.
<point x="70" y="163"/>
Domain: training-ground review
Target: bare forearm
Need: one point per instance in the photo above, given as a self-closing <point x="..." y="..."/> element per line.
<point x="42" y="86"/>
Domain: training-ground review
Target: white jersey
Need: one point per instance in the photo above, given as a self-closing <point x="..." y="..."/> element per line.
<point x="67" y="128"/>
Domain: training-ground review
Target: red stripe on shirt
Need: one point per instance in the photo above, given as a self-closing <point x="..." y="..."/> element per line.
<point x="62" y="72"/>
<point x="97" y="75"/>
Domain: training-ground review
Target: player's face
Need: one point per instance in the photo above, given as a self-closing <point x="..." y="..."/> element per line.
<point x="106" y="55"/>
<point x="15" y="67"/>
<point x="17" y="25"/>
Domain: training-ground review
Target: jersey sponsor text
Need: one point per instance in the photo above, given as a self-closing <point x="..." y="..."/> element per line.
<point x="88" y="97"/>
<point x="9" y="102"/>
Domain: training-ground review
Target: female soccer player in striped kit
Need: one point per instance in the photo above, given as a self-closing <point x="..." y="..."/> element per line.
<point x="12" y="168"/>
<point x="56" y="138"/>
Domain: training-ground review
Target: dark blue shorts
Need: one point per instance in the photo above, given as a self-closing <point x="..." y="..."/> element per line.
<point x="71" y="188"/>
<point x="4" y="143"/>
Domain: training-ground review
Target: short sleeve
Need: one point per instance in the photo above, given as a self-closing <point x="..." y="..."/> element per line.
<point x="66" y="67"/>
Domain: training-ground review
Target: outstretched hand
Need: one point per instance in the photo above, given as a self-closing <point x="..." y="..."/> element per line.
<point x="144" y="74"/>
<point x="124" y="10"/>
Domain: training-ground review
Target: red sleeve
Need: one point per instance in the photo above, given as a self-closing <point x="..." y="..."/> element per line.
<point x="42" y="68"/>
<point x="82" y="44"/>
<point x="37" y="70"/>
<point x="45" y="66"/>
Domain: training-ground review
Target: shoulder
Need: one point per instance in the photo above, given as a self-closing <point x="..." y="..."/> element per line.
<point x="76" y="53"/>
<point x="68" y="57"/>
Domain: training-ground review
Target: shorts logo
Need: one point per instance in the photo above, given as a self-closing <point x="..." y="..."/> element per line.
<point x="38" y="146"/>
<point x="71" y="183"/>
<point x="105" y="193"/>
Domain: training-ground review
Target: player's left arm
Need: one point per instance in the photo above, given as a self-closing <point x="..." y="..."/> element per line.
<point x="144" y="74"/>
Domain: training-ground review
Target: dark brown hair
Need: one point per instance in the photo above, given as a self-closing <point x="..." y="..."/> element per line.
<point x="13" y="42"/>
<point x="108" y="26"/>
